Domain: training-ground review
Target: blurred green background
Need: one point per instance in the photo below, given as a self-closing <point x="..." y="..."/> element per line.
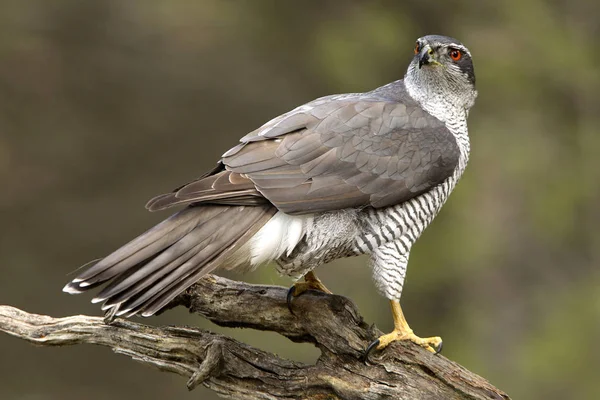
<point x="104" y="104"/>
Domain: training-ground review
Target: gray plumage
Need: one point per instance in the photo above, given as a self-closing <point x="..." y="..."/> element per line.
<point x="343" y="175"/>
<point x="369" y="149"/>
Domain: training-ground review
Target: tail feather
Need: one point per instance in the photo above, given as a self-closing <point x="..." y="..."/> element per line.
<point x="175" y="274"/>
<point x="133" y="291"/>
<point x="165" y="296"/>
<point x="148" y="272"/>
<point x="172" y="257"/>
<point x="128" y="285"/>
<point x="151" y="242"/>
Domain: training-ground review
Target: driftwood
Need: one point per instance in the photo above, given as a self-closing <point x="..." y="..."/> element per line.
<point x="236" y="370"/>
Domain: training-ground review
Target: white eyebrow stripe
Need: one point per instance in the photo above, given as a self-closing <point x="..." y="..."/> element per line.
<point x="461" y="48"/>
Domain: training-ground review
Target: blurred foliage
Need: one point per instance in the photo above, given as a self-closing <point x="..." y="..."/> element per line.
<point x="104" y="104"/>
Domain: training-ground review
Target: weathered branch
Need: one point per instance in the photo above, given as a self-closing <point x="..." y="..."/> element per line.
<point x="236" y="370"/>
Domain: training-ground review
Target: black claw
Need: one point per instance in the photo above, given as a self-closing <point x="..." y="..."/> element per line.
<point x="438" y="348"/>
<point x="289" y="298"/>
<point x="369" y="349"/>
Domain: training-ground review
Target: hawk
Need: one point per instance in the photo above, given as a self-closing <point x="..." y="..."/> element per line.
<point x="340" y="176"/>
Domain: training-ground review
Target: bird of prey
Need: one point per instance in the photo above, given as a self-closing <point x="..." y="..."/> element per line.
<point x="340" y="176"/>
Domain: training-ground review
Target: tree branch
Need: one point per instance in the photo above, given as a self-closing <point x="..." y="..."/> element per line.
<point x="236" y="370"/>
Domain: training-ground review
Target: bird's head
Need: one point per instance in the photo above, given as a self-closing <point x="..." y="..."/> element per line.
<point x="442" y="66"/>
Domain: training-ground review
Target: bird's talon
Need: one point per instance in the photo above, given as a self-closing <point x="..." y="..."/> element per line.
<point x="432" y="344"/>
<point x="374" y="344"/>
<point x="438" y="348"/>
<point x="311" y="283"/>
<point x="290" y="297"/>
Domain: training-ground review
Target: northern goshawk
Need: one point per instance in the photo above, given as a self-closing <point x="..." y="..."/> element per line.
<point x="341" y="176"/>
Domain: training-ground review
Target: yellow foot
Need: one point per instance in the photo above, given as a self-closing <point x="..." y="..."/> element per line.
<point x="432" y="344"/>
<point x="403" y="332"/>
<point x="311" y="282"/>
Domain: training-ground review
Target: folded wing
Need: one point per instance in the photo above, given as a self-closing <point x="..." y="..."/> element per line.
<point x="334" y="153"/>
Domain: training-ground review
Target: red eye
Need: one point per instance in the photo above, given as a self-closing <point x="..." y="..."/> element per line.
<point x="455" y="54"/>
<point x="417" y="48"/>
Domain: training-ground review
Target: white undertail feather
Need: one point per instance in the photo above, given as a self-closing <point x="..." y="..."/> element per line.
<point x="278" y="237"/>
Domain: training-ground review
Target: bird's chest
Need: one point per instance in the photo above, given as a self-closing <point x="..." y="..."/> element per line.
<point x="402" y="223"/>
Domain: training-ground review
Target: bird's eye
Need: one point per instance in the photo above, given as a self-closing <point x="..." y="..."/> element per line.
<point x="455" y="54"/>
<point x="417" y="48"/>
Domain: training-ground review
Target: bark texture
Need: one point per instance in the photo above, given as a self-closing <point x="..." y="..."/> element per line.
<point x="236" y="370"/>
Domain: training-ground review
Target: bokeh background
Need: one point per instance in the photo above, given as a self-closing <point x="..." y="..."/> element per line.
<point x="104" y="104"/>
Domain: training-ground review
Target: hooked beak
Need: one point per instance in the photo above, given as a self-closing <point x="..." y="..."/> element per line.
<point x="426" y="56"/>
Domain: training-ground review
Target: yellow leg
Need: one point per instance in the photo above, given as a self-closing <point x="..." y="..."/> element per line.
<point x="311" y="282"/>
<point x="403" y="332"/>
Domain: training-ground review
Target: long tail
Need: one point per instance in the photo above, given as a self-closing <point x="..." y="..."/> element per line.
<point x="147" y="273"/>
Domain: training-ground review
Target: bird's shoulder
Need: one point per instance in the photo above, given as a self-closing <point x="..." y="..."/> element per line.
<point x="384" y="114"/>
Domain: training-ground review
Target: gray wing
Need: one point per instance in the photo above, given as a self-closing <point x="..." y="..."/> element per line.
<point x="333" y="153"/>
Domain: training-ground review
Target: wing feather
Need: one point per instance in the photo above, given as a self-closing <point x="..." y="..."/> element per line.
<point x="360" y="150"/>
